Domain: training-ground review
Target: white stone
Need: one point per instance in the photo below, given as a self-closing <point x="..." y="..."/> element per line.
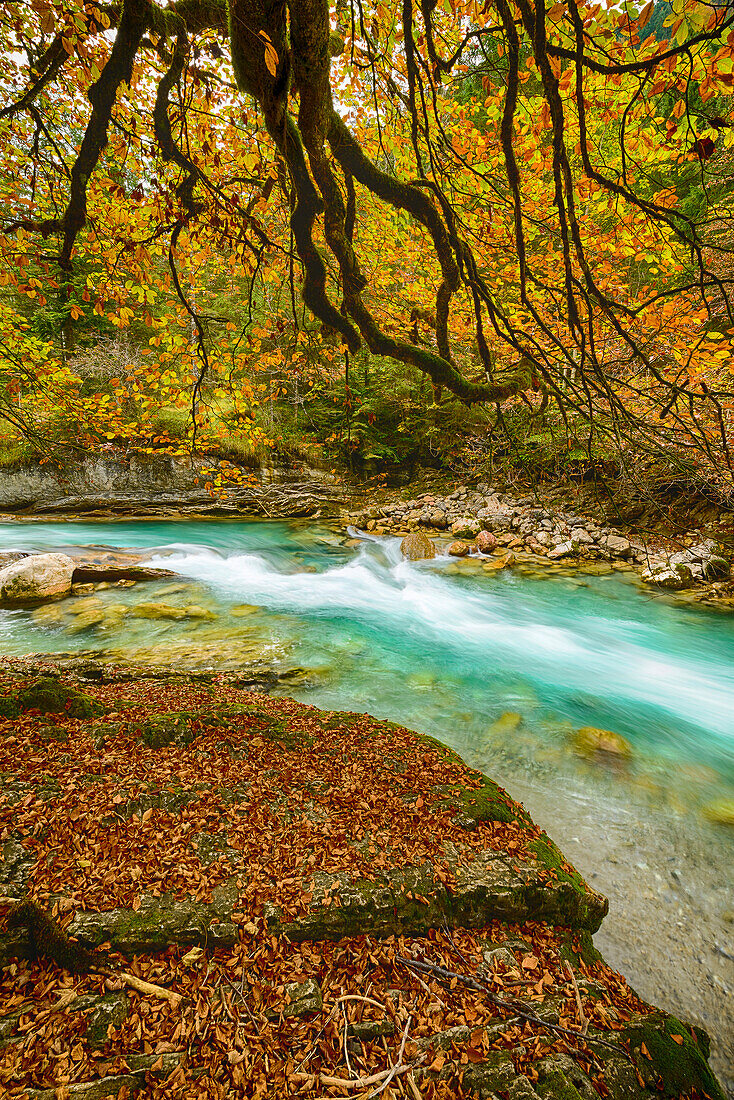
<point x="615" y="544"/>
<point x="40" y="577"/>
<point x="561" y="551"/>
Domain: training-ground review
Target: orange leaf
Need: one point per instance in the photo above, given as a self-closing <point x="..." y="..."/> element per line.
<point x="530" y="962"/>
<point x="438" y="1062"/>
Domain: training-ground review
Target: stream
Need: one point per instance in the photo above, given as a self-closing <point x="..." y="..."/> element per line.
<point x="504" y="667"/>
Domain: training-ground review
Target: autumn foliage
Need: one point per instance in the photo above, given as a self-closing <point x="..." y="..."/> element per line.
<point x="524" y="204"/>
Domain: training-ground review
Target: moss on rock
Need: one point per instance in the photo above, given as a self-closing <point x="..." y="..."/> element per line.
<point x="678" y="1055"/>
<point x="49" y="696"/>
<point x="473" y="805"/>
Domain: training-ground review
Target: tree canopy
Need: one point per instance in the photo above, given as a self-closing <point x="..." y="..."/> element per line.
<point x="520" y="201"/>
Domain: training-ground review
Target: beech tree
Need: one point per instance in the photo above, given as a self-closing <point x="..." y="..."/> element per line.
<point x="497" y="195"/>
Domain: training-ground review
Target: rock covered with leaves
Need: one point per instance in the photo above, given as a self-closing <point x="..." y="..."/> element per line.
<point x="333" y="904"/>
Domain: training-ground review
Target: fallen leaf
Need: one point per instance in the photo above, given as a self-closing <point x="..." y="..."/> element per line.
<point x="192" y="956"/>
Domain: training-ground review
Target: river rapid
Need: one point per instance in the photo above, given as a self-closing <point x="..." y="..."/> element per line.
<point x="503" y="667"/>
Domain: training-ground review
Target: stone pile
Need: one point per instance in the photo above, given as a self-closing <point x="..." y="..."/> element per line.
<point x="482" y="520"/>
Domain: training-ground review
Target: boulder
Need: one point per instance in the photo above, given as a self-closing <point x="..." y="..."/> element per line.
<point x="561" y="551"/>
<point x="597" y="744"/>
<point x="437" y="519"/>
<point x="466" y="527"/>
<point x="486" y="542"/>
<point x="40" y="577"/>
<point x="416" y="547"/>
<point x="91" y="571"/>
<point x="458" y="549"/>
<point x="495" y="516"/>
<point x="618" y="546"/>
<point x="673" y="577"/>
<point x="581" y="536"/>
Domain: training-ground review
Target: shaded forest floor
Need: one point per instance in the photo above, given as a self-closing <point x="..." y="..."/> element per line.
<point x="279" y="868"/>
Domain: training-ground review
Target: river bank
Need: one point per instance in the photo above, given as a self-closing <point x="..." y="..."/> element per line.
<point x="559" y="528"/>
<point x="381" y="845"/>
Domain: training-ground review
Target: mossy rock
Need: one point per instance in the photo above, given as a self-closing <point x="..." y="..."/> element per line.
<point x="473" y="805"/>
<point x="47" y="734"/>
<point x="50" y="696"/>
<point x="550" y="856"/>
<point x="161" y="730"/>
<point x="183" y="727"/>
<point x="678" y="1055"/>
<point x="9" y="707"/>
<point x="579" y="947"/>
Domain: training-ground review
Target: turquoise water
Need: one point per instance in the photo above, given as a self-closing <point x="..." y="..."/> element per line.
<point x="442" y="647"/>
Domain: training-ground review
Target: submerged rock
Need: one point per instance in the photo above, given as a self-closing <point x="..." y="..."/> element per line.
<point x="41" y="577"/>
<point x="594" y="743"/>
<point x="721" y="812"/>
<point x="417" y="547"/>
<point x="506" y="723"/>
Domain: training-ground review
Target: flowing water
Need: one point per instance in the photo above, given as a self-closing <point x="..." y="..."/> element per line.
<point x="504" y="667"/>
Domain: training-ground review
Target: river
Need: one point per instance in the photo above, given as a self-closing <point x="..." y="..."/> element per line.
<point x="504" y="667"/>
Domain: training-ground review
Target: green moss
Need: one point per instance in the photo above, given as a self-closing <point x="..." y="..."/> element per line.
<point x="161" y="730"/>
<point x="546" y="852"/>
<point x="681" y="1065"/>
<point x="556" y="1086"/>
<point x="473" y="805"/>
<point x="183" y="727"/>
<point x="50" y="696"/>
<point x="578" y="946"/>
<point x="9" y="707"/>
<point x="342" y="718"/>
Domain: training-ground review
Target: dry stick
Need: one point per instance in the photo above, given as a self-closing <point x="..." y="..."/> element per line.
<point x="415" y="1091"/>
<point x="350" y="1071"/>
<point x="147" y="988"/>
<point x="582" y="1017"/>
<point x="398" y="1065"/>
<point x="516" y="1007"/>
<point x="428" y="989"/>
<point x="340" y="1000"/>
<point x="354" y="1082"/>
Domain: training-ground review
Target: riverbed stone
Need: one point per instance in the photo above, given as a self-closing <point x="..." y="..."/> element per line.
<point x="673" y="577"/>
<point x="458" y="549"/>
<point x="721" y="811"/>
<point x="561" y="550"/>
<point x="37" y="578"/>
<point x="486" y="542"/>
<point x="416" y="547"/>
<point x="465" y="527"/>
<point x="599" y="744"/>
<point x="617" y="545"/>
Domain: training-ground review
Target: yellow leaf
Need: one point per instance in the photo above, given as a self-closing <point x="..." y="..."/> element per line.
<point x="192" y="956"/>
<point x="644" y="17"/>
<point x="271" y="59"/>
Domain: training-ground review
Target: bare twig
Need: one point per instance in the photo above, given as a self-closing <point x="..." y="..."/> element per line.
<point x="580" y="1008"/>
<point x="399" y="1064"/>
<point x="518" y="1008"/>
<point x="354" y="1082"/>
<point x="150" y="990"/>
